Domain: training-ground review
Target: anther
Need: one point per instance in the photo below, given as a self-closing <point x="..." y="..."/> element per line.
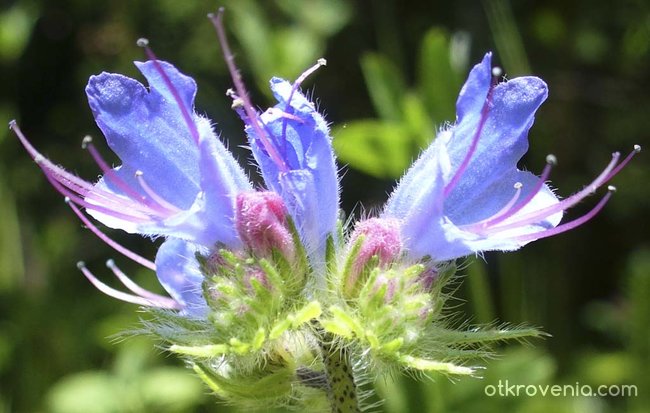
<point x="12" y="124"/>
<point x="551" y="159"/>
<point x="637" y="148"/>
<point x="87" y="140"/>
<point x="611" y="188"/>
<point x="142" y="42"/>
<point x="81" y="265"/>
<point x="497" y="71"/>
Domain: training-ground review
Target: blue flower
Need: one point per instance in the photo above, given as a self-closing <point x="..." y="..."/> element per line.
<point x="465" y="194"/>
<point x="177" y="180"/>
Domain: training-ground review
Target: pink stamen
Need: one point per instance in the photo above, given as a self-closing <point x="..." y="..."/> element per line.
<point x="571" y="224"/>
<point x="294" y="89"/>
<point x="99" y="208"/>
<point x="129" y="298"/>
<point x="117" y="247"/>
<point x="154" y="196"/>
<point x="87" y="143"/>
<point x="81" y="192"/>
<point x="474" y="227"/>
<point x="144" y="43"/>
<point x="470" y="153"/>
<point x="217" y="21"/>
<point x="132" y="286"/>
<point x="628" y="158"/>
<point x="541" y="214"/>
<point x="551" y="161"/>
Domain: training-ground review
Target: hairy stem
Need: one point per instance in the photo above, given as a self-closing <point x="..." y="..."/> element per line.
<point x="341" y="389"/>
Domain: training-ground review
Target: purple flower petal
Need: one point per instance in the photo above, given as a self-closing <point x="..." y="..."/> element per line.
<point x="445" y="223"/>
<point x="147" y="131"/>
<point x="178" y="272"/>
<point x="307" y="181"/>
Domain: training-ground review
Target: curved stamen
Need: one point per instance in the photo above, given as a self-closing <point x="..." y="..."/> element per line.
<point x="551" y="161"/>
<point x="628" y="158"/>
<point x="132" y="286"/>
<point x="217" y="21"/>
<point x="87" y="143"/>
<point x="543" y="213"/>
<point x="160" y="201"/>
<point x="129" y="298"/>
<point x="571" y="224"/>
<point x="472" y="148"/>
<point x="117" y="247"/>
<point x="296" y="85"/>
<point x="474" y="227"/>
<point x="189" y="121"/>
<point x="114" y="212"/>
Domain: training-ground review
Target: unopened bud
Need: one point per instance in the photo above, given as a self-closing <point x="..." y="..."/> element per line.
<point x="261" y="221"/>
<point x="379" y="240"/>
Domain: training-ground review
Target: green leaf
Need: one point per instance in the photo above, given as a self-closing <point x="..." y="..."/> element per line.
<point x="377" y="148"/>
<point x="439" y="81"/>
<point x="385" y="85"/>
<point x="171" y="389"/>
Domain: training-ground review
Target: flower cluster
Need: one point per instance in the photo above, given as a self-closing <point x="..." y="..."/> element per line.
<point x="266" y="288"/>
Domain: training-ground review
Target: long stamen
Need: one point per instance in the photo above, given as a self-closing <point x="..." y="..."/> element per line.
<point x="132" y="286"/>
<point x="117" y="247"/>
<point x="472" y="148"/>
<point x="628" y="158"/>
<point x="144" y="43"/>
<point x="71" y="185"/>
<point x="551" y="161"/>
<point x="63" y="190"/>
<point x="571" y="224"/>
<point x="153" y="195"/>
<point x="503" y="211"/>
<point x="129" y="298"/>
<point x="296" y="85"/>
<point x="217" y="21"/>
<point x="541" y="214"/>
<point x="87" y="143"/>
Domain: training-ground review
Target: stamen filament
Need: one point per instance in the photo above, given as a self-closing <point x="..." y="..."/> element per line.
<point x="132" y="286"/>
<point x="628" y="158"/>
<point x="217" y="21"/>
<point x="129" y="298"/>
<point x="294" y="88"/>
<point x="189" y="121"/>
<point x="571" y="224"/>
<point x="474" y="227"/>
<point x="539" y="215"/>
<point x="160" y="201"/>
<point x="64" y="182"/>
<point x="551" y="161"/>
<point x="99" y="208"/>
<point x="110" y="172"/>
<point x="117" y="247"/>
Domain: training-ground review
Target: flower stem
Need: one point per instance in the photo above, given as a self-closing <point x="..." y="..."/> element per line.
<point x="341" y="389"/>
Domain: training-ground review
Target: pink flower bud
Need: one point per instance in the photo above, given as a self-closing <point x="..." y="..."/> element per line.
<point x="381" y="239"/>
<point x="261" y="221"/>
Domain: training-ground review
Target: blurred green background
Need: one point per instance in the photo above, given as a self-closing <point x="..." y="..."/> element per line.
<point x="394" y="70"/>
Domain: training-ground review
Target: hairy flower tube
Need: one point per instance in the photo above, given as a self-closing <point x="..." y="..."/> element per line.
<point x="272" y="300"/>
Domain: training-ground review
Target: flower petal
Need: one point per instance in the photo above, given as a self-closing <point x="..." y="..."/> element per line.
<point x="502" y="143"/>
<point x="145" y="128"/>
<point x="178" y="272"/>
<point x="307" y="181"/>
